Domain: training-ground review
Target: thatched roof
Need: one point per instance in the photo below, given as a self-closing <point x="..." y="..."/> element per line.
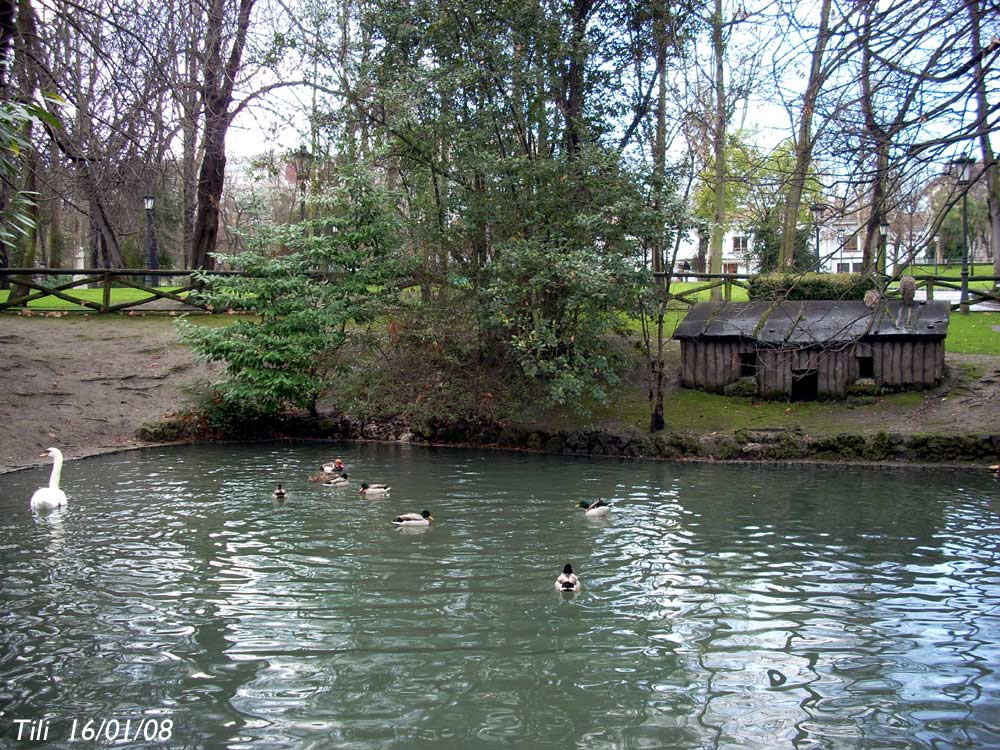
<point x="814" y="322"/>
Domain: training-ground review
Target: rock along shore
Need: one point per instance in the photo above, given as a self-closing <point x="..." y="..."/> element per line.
<point x="791" y="444"/>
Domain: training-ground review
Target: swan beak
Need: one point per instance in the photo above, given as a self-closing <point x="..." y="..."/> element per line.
<point x="43" y="455"/>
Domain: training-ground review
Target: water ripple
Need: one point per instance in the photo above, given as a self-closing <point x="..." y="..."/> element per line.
<point x="722" y="606"/>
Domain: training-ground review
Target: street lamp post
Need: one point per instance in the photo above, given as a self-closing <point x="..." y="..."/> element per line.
<point x="152" y="257"/>
<point x="817" y="212"/>
<point x="962" y="166"/>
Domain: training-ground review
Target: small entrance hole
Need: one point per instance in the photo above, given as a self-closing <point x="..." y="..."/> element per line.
<point x="805" y="385"/>
<point x="866" y="367"/>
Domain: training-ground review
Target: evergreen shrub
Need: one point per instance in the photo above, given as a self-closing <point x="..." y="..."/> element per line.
<point x="808" y="286"/>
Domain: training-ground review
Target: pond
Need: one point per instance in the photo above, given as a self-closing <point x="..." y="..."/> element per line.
<point x="175" y="604"/>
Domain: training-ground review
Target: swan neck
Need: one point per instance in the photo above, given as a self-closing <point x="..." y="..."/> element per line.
<point x="56" y="472"/>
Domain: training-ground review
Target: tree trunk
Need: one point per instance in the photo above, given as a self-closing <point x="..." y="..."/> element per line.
<point x="872" y="256"/>
<point x="575" y="77"/>
<point x="719" y="148"/>
<point x="211" y="180"/>
<point x="804" y="143"/>
<point x="991" y="176"/>
<point x="8" y="31"/>
<point x="189" y="104"/>
<point x="662" y="284"/>
<point x="877" y="135"/>
<point x="57" y="238"/>
<point x="219" y="79"/>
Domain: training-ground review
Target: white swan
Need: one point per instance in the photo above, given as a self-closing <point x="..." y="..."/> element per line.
<point x="51" y="496"/>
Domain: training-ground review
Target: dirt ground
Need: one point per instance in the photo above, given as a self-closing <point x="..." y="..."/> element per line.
<point x="86" y="385"/>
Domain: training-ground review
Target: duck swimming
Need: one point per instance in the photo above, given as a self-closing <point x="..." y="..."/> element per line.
<point x="341" y="481"/>
<point x="337" y="467"/>
<point x="596" y="509"/>
<point x="373" y="489"/>
<point x="424" y="518"/>
<point x="567" y="580"/>
<point x="279" y="493"/>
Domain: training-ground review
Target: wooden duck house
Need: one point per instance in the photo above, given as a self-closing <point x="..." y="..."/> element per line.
<point x="813" y="349"/>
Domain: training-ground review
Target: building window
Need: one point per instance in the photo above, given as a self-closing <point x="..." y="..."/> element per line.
<point x="748" y="364"/>
<point x="843" y="268"/>
<point x="730" y="267"/>
<point x="866" y="367"/>
<point x="741" y="245"/>
<point x="859" y="267"/>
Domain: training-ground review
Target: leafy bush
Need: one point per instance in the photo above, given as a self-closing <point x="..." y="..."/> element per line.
<point x="809" y="286"/>
<point x="422" y="368"/>
<point x="336" y="271"/>
<point x="559" y="284"/>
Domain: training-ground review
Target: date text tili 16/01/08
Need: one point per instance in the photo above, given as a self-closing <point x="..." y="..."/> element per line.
<point x="98" y="730"/>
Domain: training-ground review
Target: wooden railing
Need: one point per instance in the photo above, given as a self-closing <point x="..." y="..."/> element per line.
<point x="929" y="283"/>
<point x="689" y="296"/>
<point x="104" y="279"/>
<point x="176" y="287"/>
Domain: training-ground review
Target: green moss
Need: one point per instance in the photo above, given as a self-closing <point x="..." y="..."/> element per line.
<point x="879" y="447"/>
<point x="863" y="388"/>
<point x="167" y="430"/>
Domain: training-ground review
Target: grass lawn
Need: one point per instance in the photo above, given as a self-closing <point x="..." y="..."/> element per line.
<point x="975" y="333"/>
<point x="697" y="411"/>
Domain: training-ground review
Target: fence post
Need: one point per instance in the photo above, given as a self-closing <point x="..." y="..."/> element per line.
<point x="106" y="301"/>
<point x="930" y="289"/>
<point x="727" y="286"/>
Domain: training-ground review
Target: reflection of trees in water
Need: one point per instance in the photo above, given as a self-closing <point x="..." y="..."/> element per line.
<point x="822" y="609"/>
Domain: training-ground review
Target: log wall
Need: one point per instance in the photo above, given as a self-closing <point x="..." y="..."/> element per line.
<point x="908" y="362"/>
<point x="711" y="365"/>
<point x="896" y="363"/>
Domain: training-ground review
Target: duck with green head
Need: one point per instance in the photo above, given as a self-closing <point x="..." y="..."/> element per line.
<point x="596" y="509"/>
<point x="423" y="518"/>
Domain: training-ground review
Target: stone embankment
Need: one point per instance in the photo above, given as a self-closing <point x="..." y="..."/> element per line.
<point x="779" y="444"/>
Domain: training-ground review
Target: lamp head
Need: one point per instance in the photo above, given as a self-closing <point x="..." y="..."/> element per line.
<point x="961" y="167"/>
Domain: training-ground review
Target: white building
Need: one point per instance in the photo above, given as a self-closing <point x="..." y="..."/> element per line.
<point x="736" y="257"/>
<point x="841" y="250"/>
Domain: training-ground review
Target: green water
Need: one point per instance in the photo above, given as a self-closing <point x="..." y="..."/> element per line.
<point x="722" y="606"/>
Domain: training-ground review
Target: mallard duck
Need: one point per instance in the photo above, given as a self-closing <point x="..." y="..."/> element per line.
<point x="423" y="518"/>
<point x="279" y="493"/>
<point x="46" y="498"/>
<point x="596" y="509"/>
<point x="567" y="580"/>
<point x="322" y="476"/>
<point x="373" y="489"/>
<point x="341" y="481"/>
